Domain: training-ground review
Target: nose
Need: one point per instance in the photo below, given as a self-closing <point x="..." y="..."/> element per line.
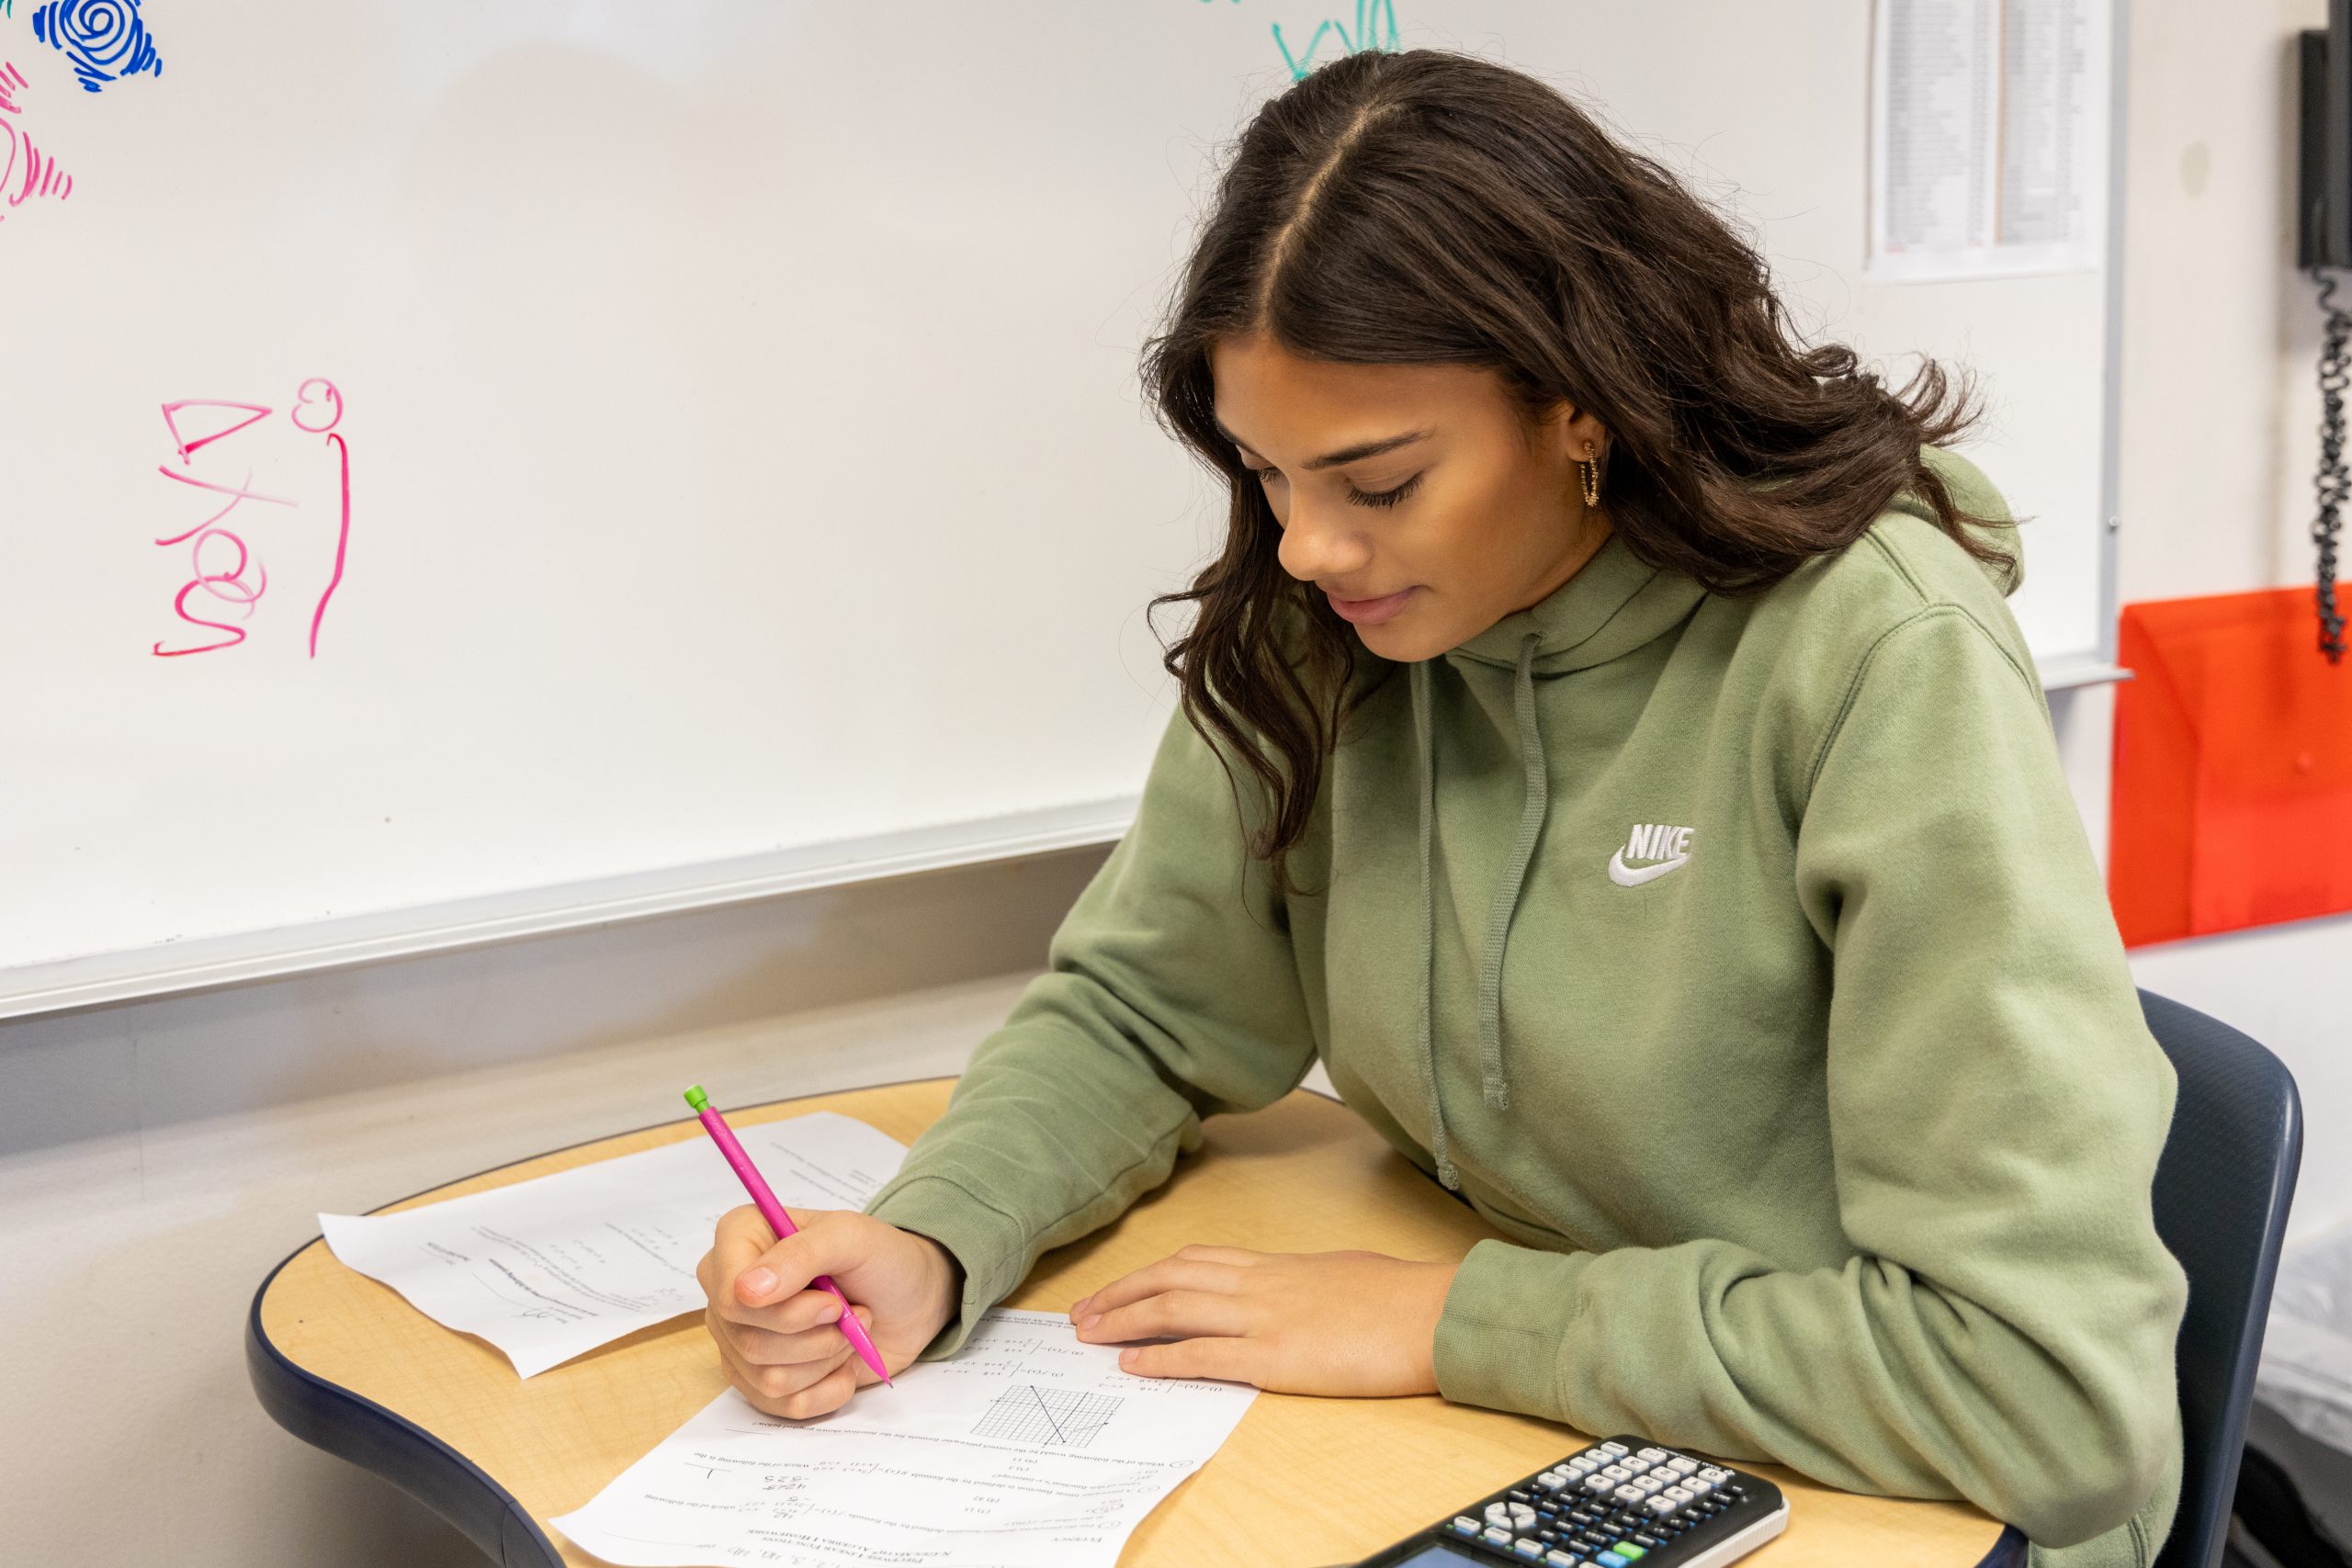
<point x="1318" y="546"/>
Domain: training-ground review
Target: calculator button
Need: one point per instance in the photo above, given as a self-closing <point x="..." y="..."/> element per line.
<point x="1698" y="1486"/>
<point x="1717" y="1476"/>
<point x="1647" y="1542"/>
<point x="1627" y="1549"/>
<point x="1526" y="1547"/>
<point x="1551" y="1481"/>
<point x="1495" y="1534"/>
<point x="1497" y="1514"/>
<point x="1681" y="1466"/>
<point x="1610" y="1560"/>
<point x="1613" y="1449"/>
<point x="1629" y="1496"/>
<point x="1563" y="1560"/>
<point x="1617" y="1473"/>
<point x="1663" y="1504"/>
<point x="1522" y="1518"/>
<point x="1648" y="1484"/>
<point x="1465" y="1525"/>
<point x="1681" y="1494"/>
<point x="1656" y="1456"/>
<point x="1584" y="1461"/>
<point x="1601" y="1484"/>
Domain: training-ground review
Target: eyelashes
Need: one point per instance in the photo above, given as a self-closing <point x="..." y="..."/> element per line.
<point x="1385" y="498"/>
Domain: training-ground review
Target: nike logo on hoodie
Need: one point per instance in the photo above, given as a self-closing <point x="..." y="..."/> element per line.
<point x="1668" y="847"/>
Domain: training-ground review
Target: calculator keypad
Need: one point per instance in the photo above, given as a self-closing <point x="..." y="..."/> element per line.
<point x="1607" y="1507"/>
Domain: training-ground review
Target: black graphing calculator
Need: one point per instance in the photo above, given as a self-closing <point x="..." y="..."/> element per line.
<point x="1627" y="1503"/>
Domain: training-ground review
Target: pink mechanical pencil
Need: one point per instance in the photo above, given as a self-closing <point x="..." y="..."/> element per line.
<point x="780" y="1221"/>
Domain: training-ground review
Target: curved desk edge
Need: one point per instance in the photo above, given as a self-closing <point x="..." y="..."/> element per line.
<point x="356" y="1428"/>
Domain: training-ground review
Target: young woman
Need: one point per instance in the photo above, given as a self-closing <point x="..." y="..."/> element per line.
<point x="1604" y="746"/>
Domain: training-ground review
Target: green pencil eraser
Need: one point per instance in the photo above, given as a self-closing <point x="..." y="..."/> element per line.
<point x="697" y="1099"/>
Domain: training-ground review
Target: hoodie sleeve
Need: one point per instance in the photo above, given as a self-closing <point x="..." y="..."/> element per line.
<point x="2003" y="1330"/>
<point x="1172" y="994"/>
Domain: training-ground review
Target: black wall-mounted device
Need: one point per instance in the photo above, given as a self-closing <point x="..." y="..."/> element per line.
<point x="2323" y="235"/>
<point x="2323" y="242"/>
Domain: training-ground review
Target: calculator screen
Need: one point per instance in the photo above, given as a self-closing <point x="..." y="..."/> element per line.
<point x="1439" y="1556"/>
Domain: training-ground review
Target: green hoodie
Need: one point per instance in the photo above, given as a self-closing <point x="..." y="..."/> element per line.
<point x="1743" y="961"/>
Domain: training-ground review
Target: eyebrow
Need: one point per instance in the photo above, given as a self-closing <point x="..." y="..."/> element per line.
<point x="1355" y="454"/>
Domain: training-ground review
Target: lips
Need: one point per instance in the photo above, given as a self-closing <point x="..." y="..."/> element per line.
<point x="1369" y="612"/>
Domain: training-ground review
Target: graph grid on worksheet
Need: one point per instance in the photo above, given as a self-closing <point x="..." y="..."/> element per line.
<point x="1051" y="1417"/>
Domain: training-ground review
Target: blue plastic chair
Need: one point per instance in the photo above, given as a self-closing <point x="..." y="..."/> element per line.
<point x="2223" y="1183"/>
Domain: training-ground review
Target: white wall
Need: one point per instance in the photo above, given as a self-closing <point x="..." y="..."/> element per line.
<point x="2220" y="413"/>
<point x="156" y="1159"/>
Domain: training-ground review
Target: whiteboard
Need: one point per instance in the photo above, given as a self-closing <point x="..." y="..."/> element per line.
<point x="699" y="449"/>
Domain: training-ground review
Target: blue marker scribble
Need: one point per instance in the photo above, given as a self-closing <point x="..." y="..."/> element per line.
<point x="104" y="39"/>
<point x="1375" y="28"/>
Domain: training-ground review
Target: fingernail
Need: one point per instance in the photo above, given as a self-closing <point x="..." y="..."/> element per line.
<point x="1088" y="1321"/>
<point x="760" y="1282"/>
<point x="1079" y="1305"/>
<point x="1127" y="1359"/>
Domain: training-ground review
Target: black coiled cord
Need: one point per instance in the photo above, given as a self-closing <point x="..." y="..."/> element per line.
<point x="2334" y="480"/>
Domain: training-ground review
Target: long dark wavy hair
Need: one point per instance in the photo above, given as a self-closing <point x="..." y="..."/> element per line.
<point x="1425" y="207"/>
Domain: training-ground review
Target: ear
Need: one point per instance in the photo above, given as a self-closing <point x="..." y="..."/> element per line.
<point x="1573" y="432"/>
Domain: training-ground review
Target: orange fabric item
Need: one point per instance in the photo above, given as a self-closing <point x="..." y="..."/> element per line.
<point x="2231" y="792"/>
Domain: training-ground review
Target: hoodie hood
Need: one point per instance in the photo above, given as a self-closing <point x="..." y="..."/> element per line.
<point x="1612" y="607"/>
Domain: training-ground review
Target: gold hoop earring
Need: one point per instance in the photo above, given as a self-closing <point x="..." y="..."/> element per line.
<point x="1591" y="467"/>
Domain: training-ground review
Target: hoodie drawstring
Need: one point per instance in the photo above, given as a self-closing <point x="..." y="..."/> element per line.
<point x="1530" y="823"/>
<point x="1422" y="732"/>
<point x="1536" y="799"/>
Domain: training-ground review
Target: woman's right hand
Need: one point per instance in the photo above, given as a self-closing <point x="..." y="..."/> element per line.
<point x="776" y="1332"/>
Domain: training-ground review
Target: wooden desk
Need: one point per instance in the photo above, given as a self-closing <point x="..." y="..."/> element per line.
<point x="344" y="1362"/>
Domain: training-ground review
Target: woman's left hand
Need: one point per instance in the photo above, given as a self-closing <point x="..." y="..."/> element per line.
<point x="1330" y="1323"/>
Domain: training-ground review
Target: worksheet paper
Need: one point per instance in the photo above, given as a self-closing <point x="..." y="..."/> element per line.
<point x="549" y="1268"/>
<point x="1027" y="1449"/>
